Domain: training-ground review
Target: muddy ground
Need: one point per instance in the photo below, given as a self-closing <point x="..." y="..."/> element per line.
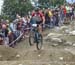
<point x="50" y="54"/>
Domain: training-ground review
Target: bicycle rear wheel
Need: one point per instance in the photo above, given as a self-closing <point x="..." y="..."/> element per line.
<point x="39" y="41"/>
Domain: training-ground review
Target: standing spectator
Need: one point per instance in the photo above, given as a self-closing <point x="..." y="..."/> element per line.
<point x="50" y="14"/>
<point x="47" y="18"/>
<point x="61" y="16"/>
<point x="57" y="18"/>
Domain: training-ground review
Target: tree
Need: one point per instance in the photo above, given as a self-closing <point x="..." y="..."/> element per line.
<point x="52" y="2"/>
<point x="13" y="7"/>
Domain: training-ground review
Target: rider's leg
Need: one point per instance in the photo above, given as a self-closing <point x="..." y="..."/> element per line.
<point x="39" y="25"/>
<point x="40" y="29"/>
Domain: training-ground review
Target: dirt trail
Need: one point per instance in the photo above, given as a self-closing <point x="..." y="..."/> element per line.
<point x="49" y="55"/>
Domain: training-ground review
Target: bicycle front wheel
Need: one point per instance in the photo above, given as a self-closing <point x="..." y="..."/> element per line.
<point x="39" y="41"/>
<point x="31" y="38"/>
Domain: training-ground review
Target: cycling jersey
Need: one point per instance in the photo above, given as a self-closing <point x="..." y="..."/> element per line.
<point x="39" y="17"/>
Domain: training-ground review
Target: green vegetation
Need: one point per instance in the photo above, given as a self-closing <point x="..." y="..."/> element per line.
<point x="51" y="2"/>
<point x="13" y="7"/>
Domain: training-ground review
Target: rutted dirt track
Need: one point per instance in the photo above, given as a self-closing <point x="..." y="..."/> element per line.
<point x="50" y="54"/>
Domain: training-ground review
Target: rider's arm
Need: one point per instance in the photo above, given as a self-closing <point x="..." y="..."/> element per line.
<point x="43" y="18"/>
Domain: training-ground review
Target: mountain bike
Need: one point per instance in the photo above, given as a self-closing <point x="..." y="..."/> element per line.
<point x="35" y="37"/>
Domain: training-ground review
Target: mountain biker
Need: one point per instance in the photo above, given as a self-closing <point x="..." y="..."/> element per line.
<point x="38" y="18"/>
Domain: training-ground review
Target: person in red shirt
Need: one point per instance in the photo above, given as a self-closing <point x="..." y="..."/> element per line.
<point x="64" y="10"/>
<point x="39" y="18"/>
